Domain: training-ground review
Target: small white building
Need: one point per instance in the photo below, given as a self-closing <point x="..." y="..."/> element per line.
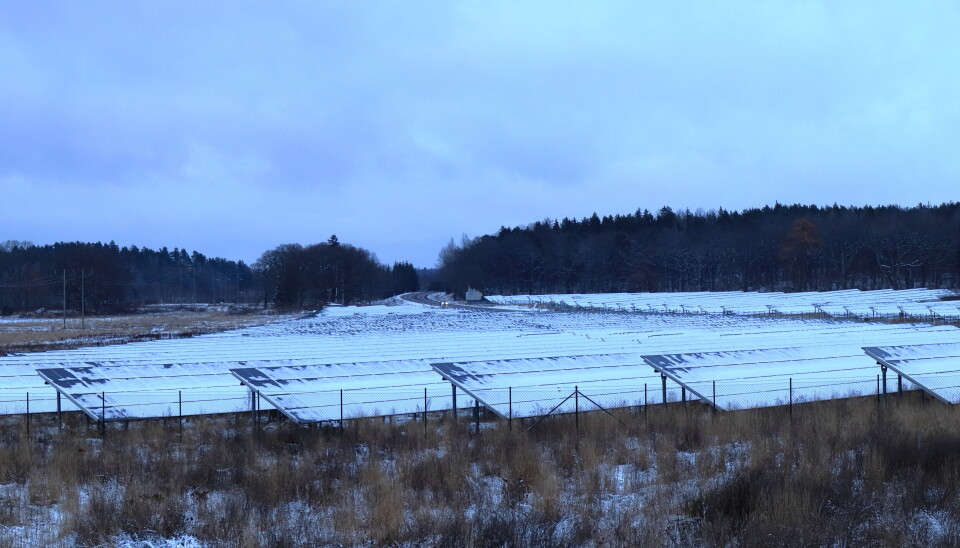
<point x="473" y="295"/>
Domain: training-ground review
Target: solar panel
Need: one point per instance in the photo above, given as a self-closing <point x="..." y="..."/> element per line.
<point x="853" y="302"/>
<point x="933" y="367"/>
<point x="382" y="334"/>
<point x="140" y="392"/>
<point x="20" y="388"/>
<point x="534" y="387"/>
<point x="770" y="377"/>
<point x="332" y="392"/>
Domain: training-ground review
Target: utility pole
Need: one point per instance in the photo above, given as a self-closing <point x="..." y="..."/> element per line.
<point x="82" y="324"/>
<point x="64" y="298"/>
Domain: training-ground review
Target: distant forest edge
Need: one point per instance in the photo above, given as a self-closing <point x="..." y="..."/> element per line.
<point x="784" y="248"/>
<point x="109" y="278"/>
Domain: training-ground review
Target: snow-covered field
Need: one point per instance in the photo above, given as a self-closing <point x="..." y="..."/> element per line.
<point x="346" y="348"/>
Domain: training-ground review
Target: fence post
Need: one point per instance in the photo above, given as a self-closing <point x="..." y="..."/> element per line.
<point x="28" y="414"/>
<point x="576" y="406"/>
<point x="714" y="396"/>
<point x="180" y="409"/>
<point x="476" y="414"/>
<point x="510" y="408"/>
<point x="253" y="409"/>
<point x="454" y="387"/>
<point x="59" y="413"/>
<point x="103" y="413"/>
<point x="645" y="403"/>
<point x="878" y="390"/>
<point x="341" y="412"/>
<point x="424" y="410"/>
<point x="791" y="396"/>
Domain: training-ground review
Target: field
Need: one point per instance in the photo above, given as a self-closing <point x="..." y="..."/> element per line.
<point x="850" y="472"/>
<point x="844" y="470"/>
<point x="45" y="331"/>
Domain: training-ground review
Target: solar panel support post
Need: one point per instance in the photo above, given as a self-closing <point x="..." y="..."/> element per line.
<point x="683" y="396"/>
<point x="899" y="385"/>
<point x="454" y="397"/>
<point x="883" y="371"/>
<point x="878" y="390"/>
<point x="663" y="380"/>
<point x="59" y="413"/>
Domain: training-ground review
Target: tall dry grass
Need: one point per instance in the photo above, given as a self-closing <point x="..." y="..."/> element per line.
<point x="50" y="333"/>
<point x="846" y="472"/>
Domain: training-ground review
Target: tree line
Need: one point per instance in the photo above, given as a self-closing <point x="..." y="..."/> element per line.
<point x="102" y="278"/>
<point x="296" y="276"/>
<point x="780" y="247"/>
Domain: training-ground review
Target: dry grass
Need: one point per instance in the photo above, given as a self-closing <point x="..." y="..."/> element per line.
<point x="37" y="334"/>
<point x="846" y="472"/>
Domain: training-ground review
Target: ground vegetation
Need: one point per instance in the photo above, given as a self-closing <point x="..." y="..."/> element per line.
<point x="851" y="472"/>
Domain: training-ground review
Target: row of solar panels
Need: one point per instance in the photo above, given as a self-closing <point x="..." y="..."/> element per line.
<point x="206" y="383"/>
<point x="886" y="302"/>
<point x="509" y="387"/>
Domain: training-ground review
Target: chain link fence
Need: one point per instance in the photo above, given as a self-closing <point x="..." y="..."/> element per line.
<point x="510" y="402"/>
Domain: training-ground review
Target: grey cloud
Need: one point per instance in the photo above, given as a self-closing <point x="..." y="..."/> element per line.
<point x="564" y="108"/>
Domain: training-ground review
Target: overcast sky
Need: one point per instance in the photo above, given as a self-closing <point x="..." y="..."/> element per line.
<point x="230" y="128"/>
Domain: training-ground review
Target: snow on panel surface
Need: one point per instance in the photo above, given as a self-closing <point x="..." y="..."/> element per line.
<point x="20" y="383"/>
<point x="534" y="387"/>
<point x="853" y="302"/>
<point x="934" y="367"/>
<point x="433" y="335"/>
<point x="138" y="392"/>
<point x="762" y="378"/>
<point x="316" y="393"/>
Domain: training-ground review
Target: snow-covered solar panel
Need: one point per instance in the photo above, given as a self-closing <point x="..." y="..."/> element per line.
<point x="769" y="377"/>
<point x="20" y="388"/>
<point x="842" y="303"/>
<point x="433" y="335"/>
<point x="933" y="367"/>
<point x="318" y="393"/>
<point x="533" y="387"/>
<point x="141" y="392"/>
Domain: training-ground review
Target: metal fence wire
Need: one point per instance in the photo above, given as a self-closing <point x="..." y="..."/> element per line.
<point x="337" y="405"/>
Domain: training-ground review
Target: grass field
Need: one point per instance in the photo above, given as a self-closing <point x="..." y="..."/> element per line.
<point x="846" y="472"/>
<point x="41" y="332"/>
